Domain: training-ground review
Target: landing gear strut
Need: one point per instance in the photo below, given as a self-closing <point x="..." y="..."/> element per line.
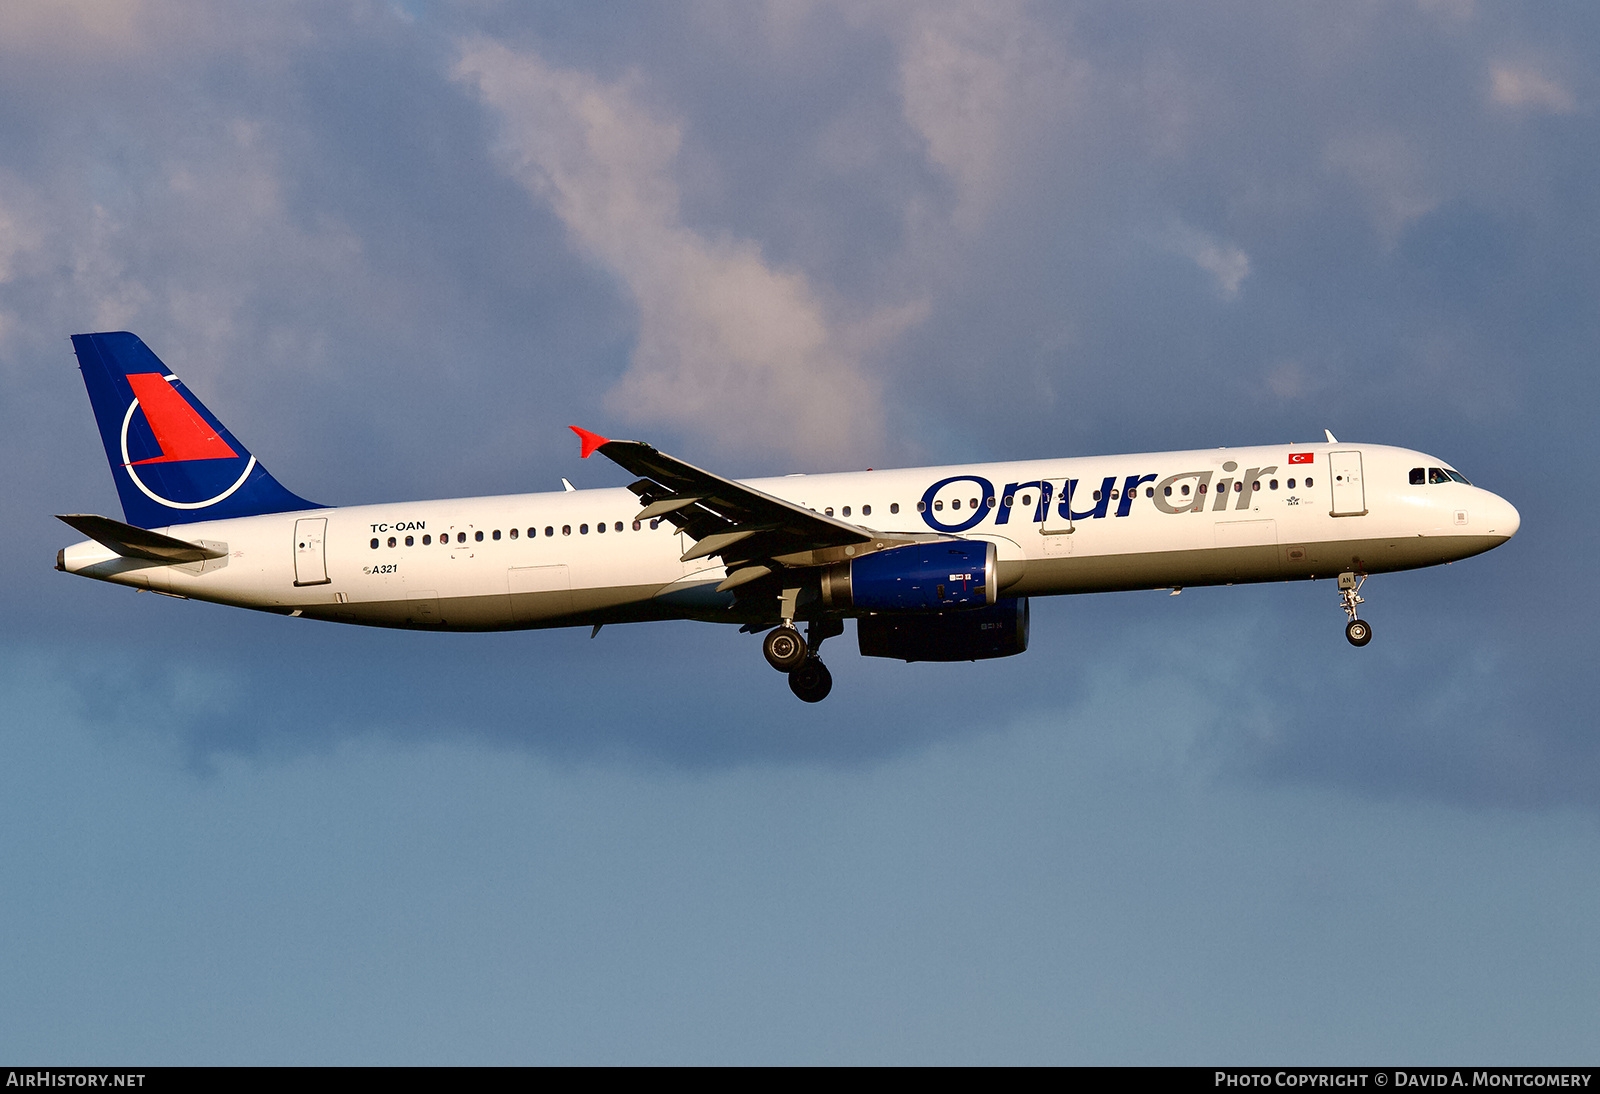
<point x="787" y="652"/>
<point x="1358" y="631"/>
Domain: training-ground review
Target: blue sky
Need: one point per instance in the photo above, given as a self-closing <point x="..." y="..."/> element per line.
<point x="398" y="248"/>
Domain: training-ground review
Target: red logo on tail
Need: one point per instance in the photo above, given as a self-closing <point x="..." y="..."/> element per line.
<point x="178" y="427"/>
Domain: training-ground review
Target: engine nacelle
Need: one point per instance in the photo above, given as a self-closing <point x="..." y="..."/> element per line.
<point x="973" y="635"/>
<point x="919" y="577"/>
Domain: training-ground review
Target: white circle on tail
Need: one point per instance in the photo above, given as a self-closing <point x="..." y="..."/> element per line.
<point x="127" y="465"/>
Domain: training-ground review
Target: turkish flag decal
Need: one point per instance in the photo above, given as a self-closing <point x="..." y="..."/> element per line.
<point x="1301" y="457"/>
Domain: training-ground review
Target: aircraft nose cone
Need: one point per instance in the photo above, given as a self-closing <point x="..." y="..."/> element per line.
<point x="1506" y="518"/>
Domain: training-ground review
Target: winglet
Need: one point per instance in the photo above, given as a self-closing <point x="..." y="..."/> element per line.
<point x="591" y="441"/>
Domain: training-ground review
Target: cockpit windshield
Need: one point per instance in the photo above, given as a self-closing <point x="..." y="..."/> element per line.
<point x="1432" y="475"/>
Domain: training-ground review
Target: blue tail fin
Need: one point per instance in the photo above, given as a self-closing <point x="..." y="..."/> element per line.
<point x="172" y="460"/>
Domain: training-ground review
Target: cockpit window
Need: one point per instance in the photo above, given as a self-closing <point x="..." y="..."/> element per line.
<point x="1436" y="474"/>
<point x="1458" y="476"/>
<point x="1419" y="476"/>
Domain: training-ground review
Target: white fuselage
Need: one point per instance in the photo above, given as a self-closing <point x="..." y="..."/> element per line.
<point x="541" y="560"/>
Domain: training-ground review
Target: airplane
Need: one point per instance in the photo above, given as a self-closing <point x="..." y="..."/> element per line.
<point x="933" y="564"/>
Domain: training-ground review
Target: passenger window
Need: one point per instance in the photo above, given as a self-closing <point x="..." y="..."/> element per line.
<point x="1256" y="485"/>
<point x="478" y="536"/>
<point x="866" y="510"/>
<point x="654" y="524"/>
<point x="1096" y="497"/>
<point x="1238" y="488"/>
<point x="938" y="506"/>
<point x="618" y="527"/>
<point x="374" y="544"/>
<point x="1308" y="482"/>
<point x="496" y="533"/>
<point x="1291" y="484"/>
<point x="601" y="527"/>
<point x="894" y="507"/>
<point x="955" y="503"/>
<point x="427" y="541"/>
<point x="1027" y="499"/>
<point x="566" y="529"/>
<point x="549" y="530"/>
<point x="513" y="533"/>
<point x="1273" y="484"/>
<point x="1202" y="488"/>
<point x="921" y="506"/>
<point x="828" y="512"/>
<point x="973" y="503"/>
<point x="461" y="537"/>
<point x="391" y="541"/>
<point x="1166" y="491"/>
<point x="583" y="529"/>
<point x="410" y="542"/>
<point x="1185" y="489"/>
<point x="1149" y="491"/>
<point x="1007" y="501"/>
<point x="845" y="512"/>
<point x="637" y="526"/>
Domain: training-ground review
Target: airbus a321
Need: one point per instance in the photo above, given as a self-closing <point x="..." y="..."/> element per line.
<point x="933" y="564"/>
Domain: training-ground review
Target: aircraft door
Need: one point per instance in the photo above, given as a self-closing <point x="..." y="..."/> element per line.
<point x="1349" y="495"/>
<point x="310" y="562"/>
<point x="1057" y="530"/>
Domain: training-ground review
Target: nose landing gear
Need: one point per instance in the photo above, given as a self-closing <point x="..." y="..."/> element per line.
<point x="1358" y="631"/>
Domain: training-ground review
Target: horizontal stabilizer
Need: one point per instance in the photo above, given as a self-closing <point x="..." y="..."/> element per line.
<point x="131" y="542"/>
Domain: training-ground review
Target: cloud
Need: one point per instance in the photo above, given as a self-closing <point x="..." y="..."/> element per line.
<point x="1389" y="173"/>
<point x="978" y="82"/>
<point x="1225" y="262"/>
<point x="79" y="27"/>
<point x="753" y="357"/>
<point x="1524" y="86"/>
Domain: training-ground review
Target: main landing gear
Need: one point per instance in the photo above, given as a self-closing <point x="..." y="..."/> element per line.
<point x="1358" y="631"/>
<point x="787" y="652"/>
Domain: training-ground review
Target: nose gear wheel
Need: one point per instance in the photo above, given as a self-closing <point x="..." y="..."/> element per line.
<point x="1358" y="631"/>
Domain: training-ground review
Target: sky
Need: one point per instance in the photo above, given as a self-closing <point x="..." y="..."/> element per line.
<point x="399" y="247"/>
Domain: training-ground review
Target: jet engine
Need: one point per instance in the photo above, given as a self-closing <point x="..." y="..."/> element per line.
<point x="919" y="577"/>
<point x="977" y="634"/>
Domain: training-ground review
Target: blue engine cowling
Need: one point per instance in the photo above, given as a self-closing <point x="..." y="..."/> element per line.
<point x="919" y="577"/>
<point x="974" y="635"/>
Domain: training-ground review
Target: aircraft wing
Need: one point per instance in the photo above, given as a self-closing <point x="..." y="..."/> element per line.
<point x="723" y="517"/>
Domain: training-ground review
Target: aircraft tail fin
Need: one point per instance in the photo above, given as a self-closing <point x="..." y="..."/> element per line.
<point x="173" y="461"/>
